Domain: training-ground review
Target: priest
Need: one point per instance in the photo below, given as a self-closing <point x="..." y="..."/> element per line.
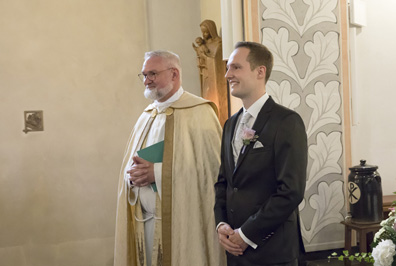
<point x="164" y="208"/>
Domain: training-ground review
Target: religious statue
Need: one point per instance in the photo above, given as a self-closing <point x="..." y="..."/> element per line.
<point x="212" y="68"/>
<point x="202" y="53"/>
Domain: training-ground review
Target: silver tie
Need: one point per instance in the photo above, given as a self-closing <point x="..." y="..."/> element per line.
<point x="238" y="142"/>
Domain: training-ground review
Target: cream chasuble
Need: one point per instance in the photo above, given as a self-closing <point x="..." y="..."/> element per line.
<point x="185" y="212"/>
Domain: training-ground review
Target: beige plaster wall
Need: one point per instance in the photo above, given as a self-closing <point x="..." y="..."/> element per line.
<point x="173" y="25"/>
<point x="77" y="61"/>
<point x="374" y="126"/>
<point x="211" y="9"/>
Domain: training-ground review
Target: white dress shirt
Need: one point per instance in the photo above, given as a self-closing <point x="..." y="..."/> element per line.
<point x="253" y="110"/>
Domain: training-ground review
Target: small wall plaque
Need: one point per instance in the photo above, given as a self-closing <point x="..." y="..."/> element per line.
<point x="33" y="121"/>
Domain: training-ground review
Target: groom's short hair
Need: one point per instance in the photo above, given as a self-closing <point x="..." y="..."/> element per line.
<point x="259" y="55"/>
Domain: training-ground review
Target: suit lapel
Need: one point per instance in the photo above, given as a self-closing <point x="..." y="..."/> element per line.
<point x="263" y="115"/>
<point x="230" y="154"/>
<point x="258" y="126"/>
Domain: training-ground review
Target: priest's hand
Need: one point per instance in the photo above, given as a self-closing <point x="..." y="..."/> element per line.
<point x="141" y="172"/>
<point x="224" y="233"/>
<point x="237" y="239"/>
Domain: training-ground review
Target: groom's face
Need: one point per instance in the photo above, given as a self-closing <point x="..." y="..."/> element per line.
<point x="241" y="78"/>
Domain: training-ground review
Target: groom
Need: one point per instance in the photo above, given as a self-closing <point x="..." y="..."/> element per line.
<point x="263" y="169"/>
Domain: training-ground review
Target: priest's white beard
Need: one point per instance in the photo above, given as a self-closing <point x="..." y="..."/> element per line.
<point x="157" y="93"/>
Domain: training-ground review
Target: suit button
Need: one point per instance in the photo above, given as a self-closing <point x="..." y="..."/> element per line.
<point x="231" y="210"/>
<point x="235" y="189"/>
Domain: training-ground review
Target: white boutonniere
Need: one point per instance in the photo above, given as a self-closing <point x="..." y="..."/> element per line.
<point x="248" y="136"/>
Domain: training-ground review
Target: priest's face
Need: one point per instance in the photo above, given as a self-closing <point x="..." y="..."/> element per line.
<point x="158" y="79"/>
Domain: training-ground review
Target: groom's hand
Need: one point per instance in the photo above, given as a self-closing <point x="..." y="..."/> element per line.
<point x="237" y="239"/>
<point x="224" y="233"/>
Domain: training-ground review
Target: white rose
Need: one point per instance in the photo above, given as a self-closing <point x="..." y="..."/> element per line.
<point x="383" y="253"/>
<point x="378" y="234"/>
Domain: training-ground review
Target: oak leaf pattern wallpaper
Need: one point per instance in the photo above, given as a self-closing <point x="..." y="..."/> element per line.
<point x="304" y="37"/>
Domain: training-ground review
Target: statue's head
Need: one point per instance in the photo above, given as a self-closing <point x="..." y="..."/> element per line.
<point x="208" y="28"/>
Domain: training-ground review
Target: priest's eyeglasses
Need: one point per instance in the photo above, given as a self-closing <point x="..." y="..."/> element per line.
<point x="151" y="75"/>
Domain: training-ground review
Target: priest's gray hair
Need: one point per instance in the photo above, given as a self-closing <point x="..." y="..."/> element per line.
<point x="171" y="58"/>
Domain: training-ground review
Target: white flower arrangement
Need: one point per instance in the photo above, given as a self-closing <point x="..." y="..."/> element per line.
<point x="384" y="245"/>
<point x="384" y="253"/>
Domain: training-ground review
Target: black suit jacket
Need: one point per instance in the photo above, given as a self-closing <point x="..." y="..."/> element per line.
<point x="261" y="193"/>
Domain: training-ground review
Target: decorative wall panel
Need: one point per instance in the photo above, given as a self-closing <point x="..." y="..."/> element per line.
<point x="304" y="36"/>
